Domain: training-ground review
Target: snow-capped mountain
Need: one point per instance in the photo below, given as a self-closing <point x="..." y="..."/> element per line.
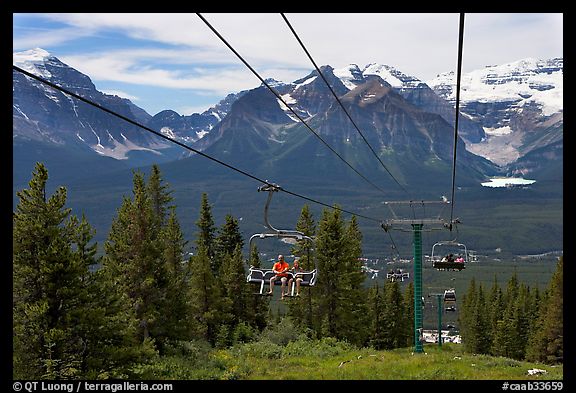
<point x="44" y="114"/>
<point x="261" y="133"/>
<point x="415" y="91"/>
<point x="510" y="101"/>
<point x="523" y="83"/>
<point x="501" y="106"/>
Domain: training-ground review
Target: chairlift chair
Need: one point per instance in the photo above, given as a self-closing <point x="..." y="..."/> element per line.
<point x="449" y="295"/>
<point x="396" y="275"/>
<point x="441" y="262"/>
<point x="261" y="276"/>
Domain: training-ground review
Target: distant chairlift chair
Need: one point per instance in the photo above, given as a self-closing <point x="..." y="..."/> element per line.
<point x="450" y="299"/>
<point x="397" y="275"/>
<point x="440" y="261"/>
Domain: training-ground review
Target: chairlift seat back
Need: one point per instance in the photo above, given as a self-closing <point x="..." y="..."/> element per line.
<point x="449" y="265"/>
<point x="262" y="277"/>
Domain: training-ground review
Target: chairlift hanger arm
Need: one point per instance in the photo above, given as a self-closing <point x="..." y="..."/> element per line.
<point x="271" y="189"/>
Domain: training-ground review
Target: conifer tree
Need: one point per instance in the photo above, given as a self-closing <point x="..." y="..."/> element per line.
<point x="205" y="298"/>
<point x="259" y="304"/>
<point x="512" y="288"/>
<point x="65" y="325"/>
<point x="341" y="297"/>
<point x="494" y="309"/>
<point x="482" y="324"/>
<point x="507" y="339"/>
<point x="160" y="195"/>
<point x="378" y="334"/>
<point x="133" y="258"/>
<point x="546" y="341"/>
<point x="254" y="256"/>
<point x="174" y="307"/>
<point x="112" y="346"/>
<point x="302" y="311"/>
<point x="304" y="248"/>
<point x="330" y="251"/>
<point x="353" y="312"/>
<point x="393" y="316"/>
<point x="47" y="280"/>
<point x="228" y="238"/>
<point x="236" y="294"/>
<point x="207" y="232"/>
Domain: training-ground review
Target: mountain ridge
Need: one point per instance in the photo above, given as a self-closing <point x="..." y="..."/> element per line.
<point x="302" y="95"/>
<point x="254" y="131"/>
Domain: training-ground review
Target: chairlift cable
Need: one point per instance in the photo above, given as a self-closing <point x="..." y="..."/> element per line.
<point x="393" y="244"/>
<point x="458" y="76"/>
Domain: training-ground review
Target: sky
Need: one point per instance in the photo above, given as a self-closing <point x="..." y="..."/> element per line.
<point x="175" y="61"/>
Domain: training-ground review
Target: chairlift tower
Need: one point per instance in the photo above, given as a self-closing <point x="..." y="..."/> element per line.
<point x="417" y="226"/>
<point x="439" y="298"/>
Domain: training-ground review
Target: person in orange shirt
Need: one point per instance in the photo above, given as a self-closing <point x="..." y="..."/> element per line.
<point x="280" y="270"/>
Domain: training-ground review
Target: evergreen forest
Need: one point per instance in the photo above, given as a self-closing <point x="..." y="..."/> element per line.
<point x="143" y="305"/>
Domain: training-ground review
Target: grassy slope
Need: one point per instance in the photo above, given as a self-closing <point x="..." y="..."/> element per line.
<point x="329" y="360"/>
<point x="436" y="363"/>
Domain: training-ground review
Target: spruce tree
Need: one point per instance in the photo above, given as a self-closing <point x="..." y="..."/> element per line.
<point x="173" y="309"/>
<point x="546" y="342"/>
<point x="206" y="236"/>
<point x="205" y="298"/>
<point x="258" y="304"/>
<point x="378" y="335"/>
<point x="47" y="280"/>
<point x="467" y="317"/>
<point x="228" y="238"/>
<point x="482" y="324"/>
<point x="160" y="195"/>
<point x="494" y="309"/>
<point x="330" y="251"/>
<point x="236" y="294"/>
<point x="66" y="323"/>
<point x="304" y="248"/>
<point x="302" y="311"/>
<point x="507" y="339"/>
<point x="341" y="298"/>
<point x="133" y="259"/>
<point x="353" y="312"/>
<point x="393" y="316"/>
<point x="111" y="345"/>
<point x="254" y="259"/>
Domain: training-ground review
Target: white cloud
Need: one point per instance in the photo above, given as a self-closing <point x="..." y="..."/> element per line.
<point x="179" y="51"/>
<point x="130" y="67"/>
<point x="421" y="45"/>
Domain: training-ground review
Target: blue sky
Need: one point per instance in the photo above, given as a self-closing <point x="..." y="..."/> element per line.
<point x="174" y="61"/>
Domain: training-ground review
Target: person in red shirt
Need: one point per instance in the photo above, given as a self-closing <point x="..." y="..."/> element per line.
<point x="280" y="272"/>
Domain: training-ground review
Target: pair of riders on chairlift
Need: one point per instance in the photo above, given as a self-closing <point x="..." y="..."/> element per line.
<point x="450" y="258"/>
